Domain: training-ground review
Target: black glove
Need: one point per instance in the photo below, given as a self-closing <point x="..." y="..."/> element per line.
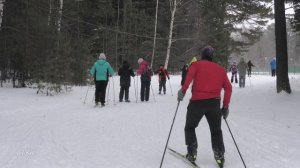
<point x="224" y="112"/>
<point x="169" y="78"/>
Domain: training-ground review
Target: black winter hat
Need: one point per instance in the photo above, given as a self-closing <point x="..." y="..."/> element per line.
<point x="207" y="52"/>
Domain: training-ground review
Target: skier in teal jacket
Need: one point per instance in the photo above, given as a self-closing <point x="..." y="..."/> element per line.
<point x="101" y="70"/>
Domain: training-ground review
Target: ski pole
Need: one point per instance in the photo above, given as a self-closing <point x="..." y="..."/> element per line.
<point x="162" y="159"/>
<point x="153" y="93"/>
<point x="107" y="96"/>
<point x="134" y="89"/>
<point x="250" y="82"/>
<point x="86" y="94"/>
<point x="114" y="90"/>
<point x="235" y="143"/>
<point x="137" y="87"/>
<point x="170" y="87"/>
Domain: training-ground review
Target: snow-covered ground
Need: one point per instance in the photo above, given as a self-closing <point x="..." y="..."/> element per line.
<point x="38" y="131"/>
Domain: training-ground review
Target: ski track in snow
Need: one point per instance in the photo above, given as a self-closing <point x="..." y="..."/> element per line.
<point x="60" y="131"/>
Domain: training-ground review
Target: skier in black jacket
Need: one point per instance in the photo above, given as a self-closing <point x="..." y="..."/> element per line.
<point x="125" y="72"/>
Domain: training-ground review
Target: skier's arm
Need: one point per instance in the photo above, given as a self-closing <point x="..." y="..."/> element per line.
<point x="227" y="91"/>
<point x="131" y="73"/>
<point x="167" y="73"/>
<point x="110" y="70"/>
<point x="93" y="69"/>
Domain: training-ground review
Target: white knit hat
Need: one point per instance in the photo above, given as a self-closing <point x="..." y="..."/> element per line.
<point x="140" y="60"/>
<point x="102" y="56"/>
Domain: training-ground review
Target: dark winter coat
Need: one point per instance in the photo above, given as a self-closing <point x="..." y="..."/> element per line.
<point x="250" y="65"/>
<point x="125" y="72"/>
<point x="184" y="71"/>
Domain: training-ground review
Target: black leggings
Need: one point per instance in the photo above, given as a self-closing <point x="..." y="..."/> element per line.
<point x="100" y="91"/>
<point x="210" y="108"/>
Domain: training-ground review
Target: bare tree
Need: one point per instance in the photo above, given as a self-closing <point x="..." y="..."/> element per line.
<point x="61" y="4"/>
<point x="173" y="8"/>
<point x="155" y="29"/>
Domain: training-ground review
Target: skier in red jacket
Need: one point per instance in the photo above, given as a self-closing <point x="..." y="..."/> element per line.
<point x="209" y="79"/>
<point x="163" y="75"/>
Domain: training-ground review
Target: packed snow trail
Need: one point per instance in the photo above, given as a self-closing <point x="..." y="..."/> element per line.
<point x="40" y="131"/>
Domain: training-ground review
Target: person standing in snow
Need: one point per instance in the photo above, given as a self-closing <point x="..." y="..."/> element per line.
<point x="101" y="71"/>
<point x="273" y="67"/>
<point x="242" y="68"/>
<point x="184" y="70"/>
<point x="125" y="72"/>
<point x="233" y="70"/>
<point x="146" y="73"/>
<point x="209" y="79"/>
<point x="162" y="78"/>
<point x="249" y="69"/>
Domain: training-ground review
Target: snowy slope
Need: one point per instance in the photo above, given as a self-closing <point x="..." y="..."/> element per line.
<point x="37" y="131"/>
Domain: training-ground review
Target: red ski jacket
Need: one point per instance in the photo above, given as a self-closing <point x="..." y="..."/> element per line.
<point x="208" y="80"/>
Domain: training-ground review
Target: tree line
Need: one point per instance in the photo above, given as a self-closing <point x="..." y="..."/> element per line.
<point x="57" y="41"/>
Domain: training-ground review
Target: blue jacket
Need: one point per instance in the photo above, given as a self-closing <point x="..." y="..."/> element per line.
<point x="102" y="68"/>
<point x="273" y="64"/>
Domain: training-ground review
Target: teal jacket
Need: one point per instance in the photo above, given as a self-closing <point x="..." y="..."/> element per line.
<point x="102" y="68"/>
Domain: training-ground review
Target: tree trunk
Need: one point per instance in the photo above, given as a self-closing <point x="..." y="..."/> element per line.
<point x="281" y="47"/>
<point x="117" y="34"/>
<point x="155" y="29"/>
<point x="173" y="11"/>
<point x="50" y="12"/>
<point x="61" y="4"/>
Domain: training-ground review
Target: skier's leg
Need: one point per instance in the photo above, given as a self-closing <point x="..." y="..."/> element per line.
<point x="160" y="86"/>
<point x="126" y="90"/>
<point x="143" y="86"/>
<point x="121" y="95"/>
<point x="97" y="92"/>
<point x="164" y="86"/>
<point x="214" y="117"/>
<point x="147" y="90"/>
<point x="193" y="117"/>
<point x="103" y="85"/>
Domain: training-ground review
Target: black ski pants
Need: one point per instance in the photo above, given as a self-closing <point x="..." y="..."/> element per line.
<point x="100" y="91"/>
<point x="162" y="85"/>
<point x="145" y="89"/>
<point x="124" y="89"/>
<point x="249" y="72"/>
<point x="273" y="72"/>
<point x="210" y="108"/>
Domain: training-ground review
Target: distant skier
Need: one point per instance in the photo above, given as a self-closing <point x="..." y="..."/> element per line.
<point x="249" y="69"/>
<point x="242" y="68"/>
<point x="233" y="70"/>
<point x="125" y="72"/>
<point x="100" y="71"/>
<point x="209" y="79"/>
<point x="184" y="70"/>
<point x="162" y="78"/>
<point x="146" y="73"/>
<point x="273" y="67"/>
